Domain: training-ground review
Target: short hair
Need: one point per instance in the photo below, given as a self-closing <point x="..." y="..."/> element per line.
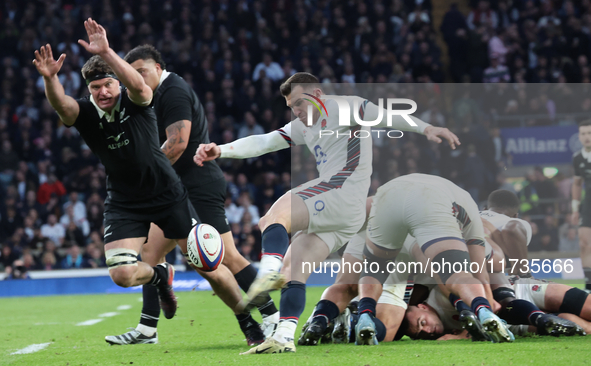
<point x="145" y="52"/>
<point x="504" y="200"/>
<point x="96" y="66"/>
<point x="584" y="123"/>
<point x="297" y="78"/>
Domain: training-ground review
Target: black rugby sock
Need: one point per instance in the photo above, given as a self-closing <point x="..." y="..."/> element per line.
<point x="326" y="311"/>
<point x="521" y="312"/>
<point x="150" y="306"/>
<point x="245" y="278"/>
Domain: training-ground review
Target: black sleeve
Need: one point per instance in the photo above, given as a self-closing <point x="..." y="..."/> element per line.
<point x="176" y="106"/>
<point x="85" y="106"/>
<point x="576" y="167"/>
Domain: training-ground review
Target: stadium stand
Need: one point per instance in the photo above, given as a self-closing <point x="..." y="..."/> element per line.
<point x="235" y="54"/>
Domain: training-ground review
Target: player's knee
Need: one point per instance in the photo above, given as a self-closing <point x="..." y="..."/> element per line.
<point x="376" y="266"/>
<point x="272" y="218"/>
<point x="122" y="264"/>
<point x="123" y="276"/>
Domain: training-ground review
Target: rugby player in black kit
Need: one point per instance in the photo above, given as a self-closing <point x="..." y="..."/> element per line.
<point x="182" y="126"/>
<point x="120" y="127"/>
<point x="581" y="213"/>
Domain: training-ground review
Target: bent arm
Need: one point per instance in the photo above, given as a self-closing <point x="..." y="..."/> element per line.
<point x="514" y="245"/>
<point x="66" y="107"/>
<point x="177" y="138"/>
<point x="253" y="146"/>
<point x="138" y="91"/>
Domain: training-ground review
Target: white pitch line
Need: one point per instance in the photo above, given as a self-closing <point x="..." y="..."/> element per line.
<point x="90" y="322"/>
<point x="108" y="315"/>
<point x="124" y="307"/>
<point x="31" y="349"/>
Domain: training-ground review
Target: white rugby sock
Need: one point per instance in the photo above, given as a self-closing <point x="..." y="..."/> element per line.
<point x="269" y="263"/>
<point x="285" y="331"/>
<point x="145" y="330"/>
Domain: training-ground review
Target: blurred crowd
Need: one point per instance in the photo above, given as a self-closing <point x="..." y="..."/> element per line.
<point x="235" y="54"/>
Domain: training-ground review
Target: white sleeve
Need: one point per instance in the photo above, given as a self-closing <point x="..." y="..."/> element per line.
<point x="371" y="113"/>
<point x="257" y="145"/>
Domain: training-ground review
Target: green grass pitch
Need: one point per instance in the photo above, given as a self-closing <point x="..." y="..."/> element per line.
<point x="204" y="332"/>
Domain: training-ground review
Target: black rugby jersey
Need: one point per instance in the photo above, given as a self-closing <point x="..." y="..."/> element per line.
<point x="138" y="173"/>
<point x="583" y="169"/>
<point x="174" y="100"/>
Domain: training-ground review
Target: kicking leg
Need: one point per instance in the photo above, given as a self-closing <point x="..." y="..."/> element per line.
<point x="306" y="252"/>
<point x="287" y="214"/>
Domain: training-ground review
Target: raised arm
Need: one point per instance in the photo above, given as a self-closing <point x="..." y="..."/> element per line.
<point x="138" y="91"/>
<point x="66" y="107"/>
<point x="244" y="148"/>
<point x="436" y="134"/>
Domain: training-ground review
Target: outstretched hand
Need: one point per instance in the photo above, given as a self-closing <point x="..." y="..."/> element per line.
<point x="44" y="62"/>
<point x="97" y="35"/>
<point x="437" y="133"/>
<point x="207" y="152"/>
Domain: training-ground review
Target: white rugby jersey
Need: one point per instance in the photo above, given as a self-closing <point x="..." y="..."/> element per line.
<point x="499" y="221"/>
<point x="339" y="155"/>
<point x="342" y="153"/>
<point x="447" y="313"/>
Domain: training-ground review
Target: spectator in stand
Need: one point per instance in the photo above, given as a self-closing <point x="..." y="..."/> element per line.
<point x="246" y="206"/>
<point x="496" y="72"/>
<point x="232" y="213"/>
<point x="53" y="230"/>
<point x="78" y="206"/>
<point x="48" y="262"/>
<point x="250" y="127"/>
<point x="271" y="69"/>
<point x="52" y="186"/>
<point x="10" y="222"/>
<point x="7" y="256"/>
<point x="8" y="161"/>
<point x="73" y="259"/>
<point x="93" y="257"/>
<point x="73" y="235"/>
<point x="483" y="15"/>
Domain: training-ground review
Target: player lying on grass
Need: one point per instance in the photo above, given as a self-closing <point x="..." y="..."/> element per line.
<point x="328" y="210"/>
<point x="119" y="126"/>
<point x="444" y="220"/>
<point x="426" y="320"/>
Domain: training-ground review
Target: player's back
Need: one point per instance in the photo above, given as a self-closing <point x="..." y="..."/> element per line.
<point x="175" y="101"/>
<point x="499" y="221"/>
<point x="442" y="185"/>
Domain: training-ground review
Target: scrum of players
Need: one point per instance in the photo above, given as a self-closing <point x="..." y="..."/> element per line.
<point x="418" y="218"/>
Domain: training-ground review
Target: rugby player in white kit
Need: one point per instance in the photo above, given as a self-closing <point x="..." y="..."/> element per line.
<point x="445" y="221"/>
<point x="328" y="210"/>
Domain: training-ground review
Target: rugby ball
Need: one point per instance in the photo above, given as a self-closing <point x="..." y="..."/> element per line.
<point x="205" y="247"/>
